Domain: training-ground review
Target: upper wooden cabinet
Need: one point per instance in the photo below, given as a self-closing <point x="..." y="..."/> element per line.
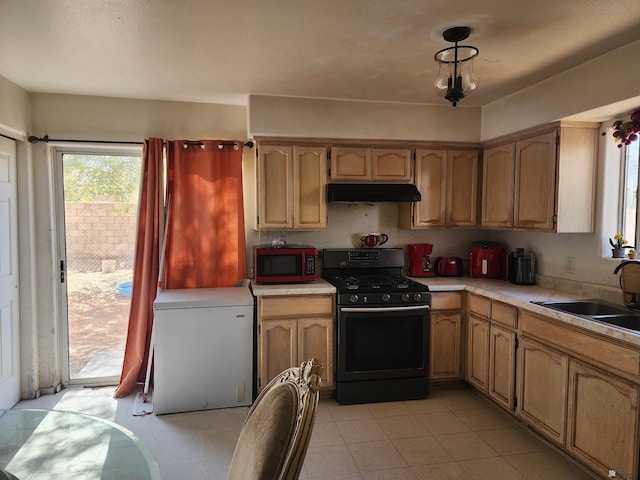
<point x="448" y="183"/>
<point x="361" y="164"/>
<point x="543" y="180"/>
<point x="498" y="184"/>
<point x="291" y="187"/>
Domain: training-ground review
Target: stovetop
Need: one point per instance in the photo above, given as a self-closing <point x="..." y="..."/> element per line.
<point x="375" y="283"/>
<point x="372" y="277"/>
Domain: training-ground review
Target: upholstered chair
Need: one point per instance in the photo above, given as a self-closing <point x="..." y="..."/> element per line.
<point x="276" y="434"/>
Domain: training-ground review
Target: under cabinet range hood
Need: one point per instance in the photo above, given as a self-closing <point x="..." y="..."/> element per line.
<point x="372" y="192"/>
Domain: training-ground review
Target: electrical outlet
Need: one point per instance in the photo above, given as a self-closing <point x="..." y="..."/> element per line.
<point x="570" y="265"/>
<point x="240" y="392"/>
<point x="262" y="235"/>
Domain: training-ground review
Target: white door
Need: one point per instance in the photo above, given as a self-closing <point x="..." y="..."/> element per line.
<point x="9" y="330"/>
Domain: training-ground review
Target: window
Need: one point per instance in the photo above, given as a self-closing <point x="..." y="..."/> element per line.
<point x="629" y="194"/>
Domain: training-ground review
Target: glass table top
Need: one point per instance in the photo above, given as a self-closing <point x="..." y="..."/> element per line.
<point x="39" y="444"/>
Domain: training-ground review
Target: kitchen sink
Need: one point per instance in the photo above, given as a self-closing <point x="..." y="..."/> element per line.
<point x="599" y="311"/>
<point x="629" y="321"/>
<point x="586" y="307"/>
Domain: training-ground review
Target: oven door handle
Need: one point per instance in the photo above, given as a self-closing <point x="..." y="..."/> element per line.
<point x="384" y="309"/>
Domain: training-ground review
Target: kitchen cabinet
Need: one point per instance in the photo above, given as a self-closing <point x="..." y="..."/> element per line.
<point x="602" y="421"/>
<point x="502" y="366"/>
<point x="553" y="188"/>
<point x="492" y="334"/>
<point x="362" y="164"/>
<point x="445" y="352"/>
<point x="498" y="184"/>
<point x="291" y="187"/>
<point x="478" y="353"/>
<point x="542" y="388"/>
<point x="293" y="329"/>
<point x="448" y="182"/>
<point x="580" y="390"/>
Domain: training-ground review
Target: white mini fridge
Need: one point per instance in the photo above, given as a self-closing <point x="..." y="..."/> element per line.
<point x="203" y="355"/>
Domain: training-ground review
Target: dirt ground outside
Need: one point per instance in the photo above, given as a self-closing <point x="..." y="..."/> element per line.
<point x="98" y="319"/>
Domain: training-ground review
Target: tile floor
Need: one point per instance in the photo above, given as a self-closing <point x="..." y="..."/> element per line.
<point x="455" y="434"/>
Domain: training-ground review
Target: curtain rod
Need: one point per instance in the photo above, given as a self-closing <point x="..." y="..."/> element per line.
<point x="46" y="139"/>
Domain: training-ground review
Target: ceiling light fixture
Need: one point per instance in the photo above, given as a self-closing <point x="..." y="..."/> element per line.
<point x="456" y="78"/>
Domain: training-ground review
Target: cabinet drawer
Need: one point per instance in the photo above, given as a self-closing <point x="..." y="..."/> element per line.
<point x="295" y="306"/>
<point x="480" y="305"/>
<point x="446" y="301"/>
<point x="504" y="314"/>
<point x="581" y="344"/>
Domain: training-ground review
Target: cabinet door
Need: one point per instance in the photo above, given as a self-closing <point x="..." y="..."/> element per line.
<point x="309" y="186"/>
<point x="275" y="189"/>
<point x="502" y="366"/>
<point x="431" y="182"/>
<point x="542" y="388"/>
<point x="444" y="352"/>
<point x="478" y="353"/>
<point x="350" y="164"/>
<point x="603" y="421"/>
<point x="277" y="348"/>
<point x="462" y="188"/>
<point x="535" y="189"/>
<point x="498" y="170"/>
<point x="391" y="165"/>
<point x="315" y="340"/>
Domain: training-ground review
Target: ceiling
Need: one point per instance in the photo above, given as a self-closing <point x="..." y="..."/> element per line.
<point x="221" y="51"/>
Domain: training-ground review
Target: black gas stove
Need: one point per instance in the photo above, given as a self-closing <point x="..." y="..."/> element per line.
<point x="382" y="334"/>
<point x="372" y="277"/>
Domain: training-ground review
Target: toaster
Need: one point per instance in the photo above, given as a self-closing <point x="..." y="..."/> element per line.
<point x="449" y="267"/>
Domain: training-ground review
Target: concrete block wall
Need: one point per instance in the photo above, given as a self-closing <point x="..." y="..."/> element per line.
<point x="97" y="231"/>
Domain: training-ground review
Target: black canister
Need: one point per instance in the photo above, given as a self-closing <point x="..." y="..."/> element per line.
<point x="522" y="267"/>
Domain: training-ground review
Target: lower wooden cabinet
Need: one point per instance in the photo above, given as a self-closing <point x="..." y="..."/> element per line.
<point x="293" y="329"/>
<point x="502" y="366"/>
<point x="445" y="352"/>
<point x="478" y="331"/>
<point x="542" y="388"/>
<point x="603" y="421"/>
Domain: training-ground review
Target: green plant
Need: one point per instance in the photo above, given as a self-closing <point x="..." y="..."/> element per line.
<point x="632" y="251"/>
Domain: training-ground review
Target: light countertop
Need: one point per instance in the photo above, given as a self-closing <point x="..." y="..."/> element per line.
<point x="520" y="296"/>
<point x="316" y="287"/>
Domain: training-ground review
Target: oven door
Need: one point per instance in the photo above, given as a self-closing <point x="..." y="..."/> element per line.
<point x="382" y="342"/>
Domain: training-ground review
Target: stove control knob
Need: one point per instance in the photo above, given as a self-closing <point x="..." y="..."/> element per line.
<point x="417" y="297"/>
<point x="405" y="297"/>
<point x="353" y="298"/>
<point x="386" y="297"/>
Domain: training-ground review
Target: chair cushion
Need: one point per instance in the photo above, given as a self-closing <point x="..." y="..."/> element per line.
<point x="267" y="434"/>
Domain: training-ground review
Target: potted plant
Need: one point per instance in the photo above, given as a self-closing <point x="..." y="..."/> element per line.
<point x="631" y="253"/>
<point x="619" y="244"/>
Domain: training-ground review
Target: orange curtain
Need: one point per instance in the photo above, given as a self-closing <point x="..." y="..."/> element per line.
<point x="145" y="269"/>
<point x="205" y="236"/>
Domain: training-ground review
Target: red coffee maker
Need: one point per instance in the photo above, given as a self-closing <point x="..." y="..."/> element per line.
<point x="420" y="260"/>
<point x="487" y="260"/>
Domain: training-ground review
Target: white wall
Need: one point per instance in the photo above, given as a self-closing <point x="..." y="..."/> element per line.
<point x="73" y="117"/>
<point x="14" y="109"/>
<point x="582" y="93"/>
<point x="307" y="117"/>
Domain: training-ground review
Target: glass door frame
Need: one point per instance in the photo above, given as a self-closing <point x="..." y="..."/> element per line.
<point x="60" y="255"/>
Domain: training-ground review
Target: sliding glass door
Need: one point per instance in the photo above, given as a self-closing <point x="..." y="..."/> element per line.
<point x="98" y="209"/>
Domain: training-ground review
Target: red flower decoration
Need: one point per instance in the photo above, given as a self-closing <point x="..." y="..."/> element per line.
<point x="626" y="132"/>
